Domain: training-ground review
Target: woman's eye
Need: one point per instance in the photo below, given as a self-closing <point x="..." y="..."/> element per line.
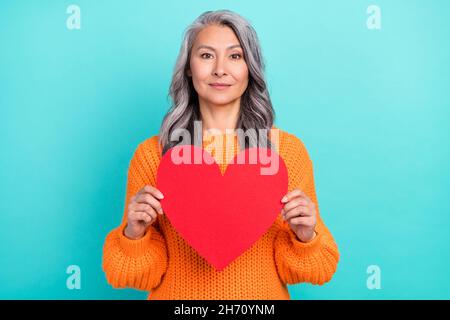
<point x="203" y="55"/>
<point x="236" y="56"/>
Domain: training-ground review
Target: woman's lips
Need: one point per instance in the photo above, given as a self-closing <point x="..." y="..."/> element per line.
<point x="220" y="87"/>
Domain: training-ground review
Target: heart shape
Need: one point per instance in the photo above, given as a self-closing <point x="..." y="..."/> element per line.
<point x="221" y="216"/>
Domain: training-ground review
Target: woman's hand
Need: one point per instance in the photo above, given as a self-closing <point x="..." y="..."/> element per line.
<point x="143" y="209"/>
<point x="300" y="212"/>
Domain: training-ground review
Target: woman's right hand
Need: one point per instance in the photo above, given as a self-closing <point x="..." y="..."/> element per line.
<point x="143" y="210"/>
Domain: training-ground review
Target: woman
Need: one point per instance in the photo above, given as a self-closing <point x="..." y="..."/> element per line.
<point x="219" y="80"/>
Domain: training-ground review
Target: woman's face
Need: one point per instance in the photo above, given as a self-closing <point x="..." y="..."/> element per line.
<point x="217" y="57"/>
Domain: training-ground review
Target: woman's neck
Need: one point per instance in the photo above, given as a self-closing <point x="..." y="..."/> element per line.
<point x="219" y="118"/>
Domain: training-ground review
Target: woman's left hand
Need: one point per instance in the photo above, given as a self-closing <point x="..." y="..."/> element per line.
<point x="300" y="212"/>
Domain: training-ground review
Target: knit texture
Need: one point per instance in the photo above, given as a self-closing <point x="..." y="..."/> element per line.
<point x="163" y="263"/>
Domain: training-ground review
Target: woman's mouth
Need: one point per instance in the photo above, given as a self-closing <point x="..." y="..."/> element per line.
<point x="220" y="86"/>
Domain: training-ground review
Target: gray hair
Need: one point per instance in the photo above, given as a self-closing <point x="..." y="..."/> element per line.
<point x="256" y="111"/>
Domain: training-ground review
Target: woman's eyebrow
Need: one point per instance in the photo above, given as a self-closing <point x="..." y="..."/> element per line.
<point x="211" y="48"/>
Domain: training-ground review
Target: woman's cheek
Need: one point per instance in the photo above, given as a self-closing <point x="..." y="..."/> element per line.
<point x="242" y="75"/>
<point x="243" y="86"/>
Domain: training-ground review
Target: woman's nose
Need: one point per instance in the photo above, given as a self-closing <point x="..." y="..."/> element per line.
<point x="219" y="68"/>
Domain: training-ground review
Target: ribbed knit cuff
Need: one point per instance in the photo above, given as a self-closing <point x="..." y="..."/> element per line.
<point x="134" y="248"/>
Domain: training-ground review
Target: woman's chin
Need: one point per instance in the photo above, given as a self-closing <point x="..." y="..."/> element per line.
<point x="220" y="101"/>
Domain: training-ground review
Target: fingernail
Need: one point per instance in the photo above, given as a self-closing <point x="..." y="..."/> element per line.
<point x="284" y="199"/>
<point x="161" y="196"/>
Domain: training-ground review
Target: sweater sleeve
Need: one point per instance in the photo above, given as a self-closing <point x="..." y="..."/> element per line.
<point x="315" y="261"/>
<point x="140" y="263"/>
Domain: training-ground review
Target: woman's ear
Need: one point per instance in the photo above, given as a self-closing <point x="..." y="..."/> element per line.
<point x="188" y="72"/>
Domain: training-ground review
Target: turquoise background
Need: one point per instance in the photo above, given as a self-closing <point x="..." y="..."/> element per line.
<point x="372" y="107"/>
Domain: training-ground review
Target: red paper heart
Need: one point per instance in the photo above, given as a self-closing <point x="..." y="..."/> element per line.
<point x="221" y="216"/>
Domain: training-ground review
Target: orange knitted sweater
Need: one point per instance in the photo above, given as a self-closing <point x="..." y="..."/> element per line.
<point x="163" y="263"/>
